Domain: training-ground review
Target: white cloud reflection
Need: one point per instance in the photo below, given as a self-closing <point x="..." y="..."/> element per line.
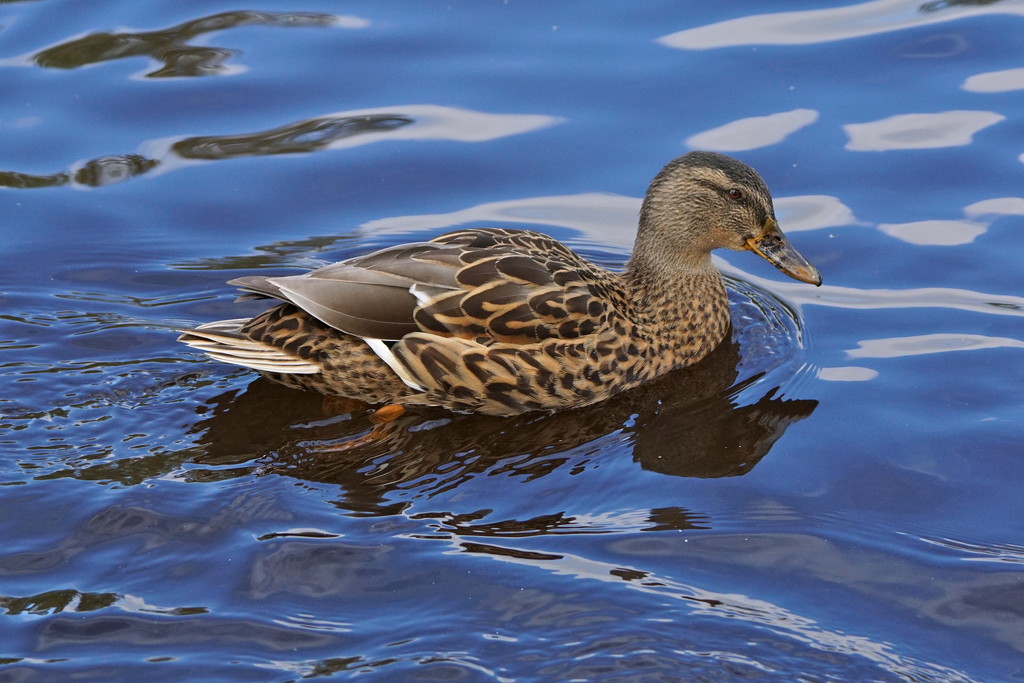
<point x="812" y="212"/>
<point x="998" y="206"/>
<point x="935" y="233"/>
<point x="753" y="132"/>
<point x="955" y="232"/>
<point x="919" y="131"/>
<point x="898" y="347"/>
<point x="435" y="122"/>
<point x="850" y="373"/>
<point x="996" y="81"/>
<point x="826" y="25"/>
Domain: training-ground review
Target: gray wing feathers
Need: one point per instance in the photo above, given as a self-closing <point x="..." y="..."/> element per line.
<point x="362" y="309"/>
<point x="255" y="287"/>
<point x="369" y="296"/>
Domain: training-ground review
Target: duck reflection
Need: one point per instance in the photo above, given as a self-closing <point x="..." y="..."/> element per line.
<point x="685" y="424"/>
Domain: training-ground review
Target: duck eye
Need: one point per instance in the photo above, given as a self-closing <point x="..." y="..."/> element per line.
<point x="735" y="193"/>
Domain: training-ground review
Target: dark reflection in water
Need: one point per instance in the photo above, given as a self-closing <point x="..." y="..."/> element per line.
<point x="302" y="137"/>
<point x="937" y="5"/>
<point x="468" y="524"/>
<point x="295" y="138"/>
<point x="73" y="600"/>
<point x="53" y="601"/>
<point x="111" y="630"/>
<point x="170" y="46"/>
<point x="684" y="424"/>
<point x="111" y="169"/>
<point x="319" y="570"/>
<point x="283" y="254"/>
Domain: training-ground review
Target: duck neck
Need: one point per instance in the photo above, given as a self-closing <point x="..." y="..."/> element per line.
<point x="680" y="304"/>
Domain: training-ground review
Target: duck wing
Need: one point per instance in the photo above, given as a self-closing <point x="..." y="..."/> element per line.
<point x="506" y="285"/>
<point x="520" y="286"/>
<point x="368" y="296"/>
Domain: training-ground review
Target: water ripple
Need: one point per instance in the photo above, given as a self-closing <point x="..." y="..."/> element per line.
<point x="924" y="297"/>
<point x="1010" y="553"/>
<point x="729" y="606"/>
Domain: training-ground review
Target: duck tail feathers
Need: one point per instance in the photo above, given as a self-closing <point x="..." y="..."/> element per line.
<point x="223" y="341"/>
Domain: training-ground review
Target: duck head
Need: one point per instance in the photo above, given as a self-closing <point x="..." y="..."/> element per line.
<point x="703" y="201"/>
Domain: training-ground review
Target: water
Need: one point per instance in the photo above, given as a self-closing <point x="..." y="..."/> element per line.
<point x="833" y="496"/>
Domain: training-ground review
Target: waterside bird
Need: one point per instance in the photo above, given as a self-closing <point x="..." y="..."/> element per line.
<point x="503" y="322"/>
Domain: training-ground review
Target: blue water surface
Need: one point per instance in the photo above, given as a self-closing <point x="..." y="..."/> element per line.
<point x="834" y="495"/>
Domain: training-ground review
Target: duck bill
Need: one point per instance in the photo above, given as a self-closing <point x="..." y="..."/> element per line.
<point x="773" y="247"/>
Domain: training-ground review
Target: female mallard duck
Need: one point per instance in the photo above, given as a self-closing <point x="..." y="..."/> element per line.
<point x="502" y="322"/>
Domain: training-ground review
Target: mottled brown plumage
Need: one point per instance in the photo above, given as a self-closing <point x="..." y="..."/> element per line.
<point x="503" y="322"/>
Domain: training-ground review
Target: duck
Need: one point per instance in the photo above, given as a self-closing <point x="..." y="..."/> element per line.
<point x="501" y="321"/>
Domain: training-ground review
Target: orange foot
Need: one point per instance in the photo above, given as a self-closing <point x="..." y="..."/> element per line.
<point x="380" y="418"/>
<point x="386" y="414"/>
